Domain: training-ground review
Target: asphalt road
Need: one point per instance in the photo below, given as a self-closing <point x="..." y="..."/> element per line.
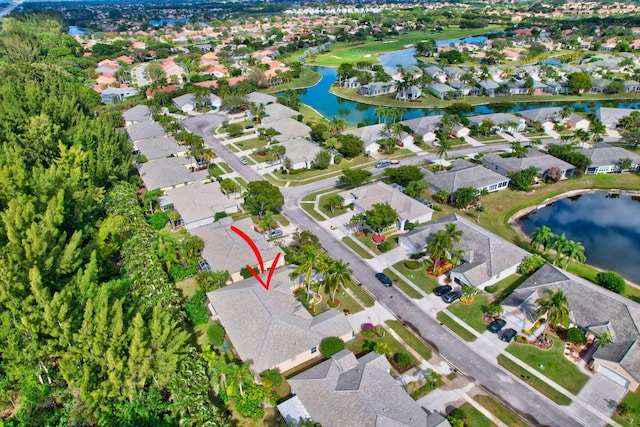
<point x="539" y="410"/>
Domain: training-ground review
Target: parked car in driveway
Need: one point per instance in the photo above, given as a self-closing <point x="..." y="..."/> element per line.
<point x="451" y="297"/>
<point x="508" y="335"/>
<point x="496" y="325"/>
<point x="203" y="265"/>
<point x="384" y="279"/>
<point x="274" y="233"/>
<point x="442" y="290"/>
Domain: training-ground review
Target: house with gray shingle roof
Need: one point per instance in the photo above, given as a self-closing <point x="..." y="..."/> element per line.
<point x="158" y="148"/>
<point x="485" y="257"/>
<point x="170" y="172"/>
<point x="301" y="153"/>
<point x="289" y="129"/>
<point x="275" y="112"/>
<point x="593" y="309"/>
<point x="533" y="158"/>
<point x="144" y="130"/>
<point x="423" y="125"/>
<point x="466" y="174"/>
<point x="198" y="203"/>
<point x="260" y="98"/>
<point x="271" y="328"/>
<point x="376" y="88"/>
<point x="611" y="116"/>
<point x="407" y="208"/>
<point x="606" y="159"/>
<point x="137" y="114"/>
<point x="345" y="391"/>
<point x="372" y="133"/>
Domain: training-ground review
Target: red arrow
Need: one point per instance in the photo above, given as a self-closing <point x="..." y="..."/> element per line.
<point x="256" y="252"/>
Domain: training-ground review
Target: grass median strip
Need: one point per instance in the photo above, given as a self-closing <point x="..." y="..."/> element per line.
<point x="404" y="286"/>
<point x="354" y="246"/>
<point x="308" y="208"/>
<point x="411" y="339"/>
<point x="455" y="326"/>
<point x="533" y="381"/>
<point x="500" y="411"/>
<point x="364" y="296"/>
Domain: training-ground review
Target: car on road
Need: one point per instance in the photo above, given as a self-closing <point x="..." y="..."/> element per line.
<point x="203" y="265"/>
<point x="383" y="164"/>
<point x="384" y="279"/>
<point x="274" y="233"/>
<point x="451" y="297"/>
<point x="508" y="335"/>
<point x="394" y="162"/>
<point x="442" y="290"/>
<point x="244" y="161"/>
<point x="496" y="325"/>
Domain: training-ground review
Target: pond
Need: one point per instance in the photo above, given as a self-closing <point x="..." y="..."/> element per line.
<point x="76" y="31"/>
<point x="329" y="105"/>
<point x="162" y="22"/>
<point x="608" y="225"/>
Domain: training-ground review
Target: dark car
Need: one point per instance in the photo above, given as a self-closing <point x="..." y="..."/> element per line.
<point x="384" y="279"/>
<point x="508" y="335"/>
<point x="451" y="297"/>
<point x="442" y="290"/>
<point x="204" y="265"/>
<point x="496" y="325"/>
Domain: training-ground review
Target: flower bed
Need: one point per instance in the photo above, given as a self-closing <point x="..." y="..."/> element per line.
<point x="378" y="238"/>
<point x="439" y="268"/>
<point x="368" y="329"/>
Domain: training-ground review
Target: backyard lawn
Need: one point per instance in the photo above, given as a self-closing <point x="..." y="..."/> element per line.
<point x="418" y="277"/>
<point x="551" y="363"/>
<point x="472" y="313"/>
<point x="410" y="338"/>
<point x="506" y="286"/>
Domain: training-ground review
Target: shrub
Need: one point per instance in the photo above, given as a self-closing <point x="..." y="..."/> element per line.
<point x="216" y="334"/>
<point x="141" y="158"/>
<point x="337" y="159"/>
<point x="402" y="359"/>
<point x="245" y="273"/>
<point x="576" y="336"/>
<point x="384" y="246"/>
<point x="522" y="339"/>
<point x="412" y="265"/>
<point x="490" y="289"/>
<point x="612" y="281"/>
<point x="158" y="220"/>
<point x="330" y="346"/>
<point x="624" y="409"/>
<point x="179" y="272"/>
<point x="271" y="378"/>
<point x="219" y="215"/>
<point x="367" y="329"/>
<point x="458" y="414"/>
<point x="195" y="309"/>
<point x="531" y="264"/>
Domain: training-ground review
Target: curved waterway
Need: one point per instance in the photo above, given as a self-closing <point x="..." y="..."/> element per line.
<point x="353" y="112"/>
<point x="607" y="224"/>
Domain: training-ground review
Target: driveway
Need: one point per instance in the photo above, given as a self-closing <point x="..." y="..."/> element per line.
<point x="601" y="393"/>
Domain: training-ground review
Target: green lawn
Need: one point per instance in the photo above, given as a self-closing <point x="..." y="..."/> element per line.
<point x="353" y="245"/>
<point x="357" y="345"/>
<point x="307" y="78"/>
<point x="554" y="364"/>
<point x="455" y="327"/>
<point x="632" y="400"/>
<point x="474" y="418"/>
<point x="471" y="314"/>
<point x="309" y="208"/>
<point x="367" y="240"/>
<point x="188" y="286"/>
<point x="418" y="277"/>
<point x="411" y="339"/>
<point x="500" y="411"/>
<point x="346" y="302"/>
<point x="404" y="286"/>
<point x="533" y="381"/>
<point x="360" y="293"/>
<point x="241" y="181"/>
<point x="225" y="167"/>
<point x="506" y="286"/>
<point x="251" y="144"/>
<point x="323" y="204"/>
<point x="282" y="220"/>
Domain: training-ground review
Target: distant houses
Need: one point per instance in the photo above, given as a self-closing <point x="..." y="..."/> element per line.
<point x="533" y="158"/>
<point x="465" y="174"/>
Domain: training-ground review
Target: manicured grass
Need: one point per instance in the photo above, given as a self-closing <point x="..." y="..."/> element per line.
<point x="418" y="277"/>
<point x="367" y="240"/>
<point x="323" y="204"/>
<point x="225" y="167"/>
<point x="307" y="78"/>
<point x="471" y="314"/>
<point x="346" y="302"/>
<point x="404" y="286"/>
<point x="533" y="381"/>
<point x="455" y="327"/>
<point x="311" y="173"/>
<point x="232" y="148"/>
<point x="251" y="144"/>
<point x="282" y="220"/>
<point x="357" y="345"/>
<point x="500" y="411"/>
<point x="411" y="339"/>
<point x="360" y="293"/>
<point x="506" y="286"/>
<point x="582" y="270"/>
<point x="241" y="181"/>
<point x="554" y="364"/>
<point x="474" y="417"/>
<point x="311" y="115"/>
<point x="632" y="293"/>
<point x="188" y="286"/>
<point x="632" y="400"/>
<point x="354" y="246"/>
<point x="308" y="208"/>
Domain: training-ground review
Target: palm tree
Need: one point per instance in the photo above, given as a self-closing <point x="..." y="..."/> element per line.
<point x="602" y="340"/>
<point x="542" y="236"/>
<point x="443" y="148"/>
<point x="582" y="135"/>
<point x="333" y="202"/>
<point x="357" y="220"/>
<point x="574" y="250"/>
<point x="565" y="112"/>
<point x="268" y="221"/>
<point x="560" y="245"/>
<point x="238" y="376"/>
<point x="381" y="111"/>
<point x="438" y="247"/>
<point x="397" y="131"/>
<point x="555" y="306"/>
<point x="337" y="125"/>
<point x="479" y="209"/>
<point x="339" y="276"/>
<point x="597" y="129"/>
<point x="313" y="259"/>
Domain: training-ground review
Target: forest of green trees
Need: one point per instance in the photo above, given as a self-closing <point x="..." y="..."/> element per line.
<point x="92" y="329"/>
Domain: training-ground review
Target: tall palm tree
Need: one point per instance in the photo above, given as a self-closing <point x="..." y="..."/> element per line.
<point x="239" y="376"/>
<point x="380" y="112"/>
<point x="453" y="234"/>
<point x="268" y="222"/>
<point x="337" y="125"/>
<point x="479" y="209"/>
<point x="333" y="202"/>
<point x="542" y="236"/>
<point x="443" y="148"/>
<point x="597" y="130"/>
<point x="574" y="250"/>
<point x="560" y="245"/>
<point x="565" y="112"/>
<point x="357" y="220"/>
<point x="555" y="306"/>
<point x="339" y="276"/>
<point x="438" y="247"/>
<point x="313" y="260"/>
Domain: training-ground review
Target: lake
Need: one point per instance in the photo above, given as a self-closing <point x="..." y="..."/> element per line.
<point x="608" y="226"/>
<point x="353" y="112"/>
<point x="161" y="22"/>
<point x="75" y="31"/>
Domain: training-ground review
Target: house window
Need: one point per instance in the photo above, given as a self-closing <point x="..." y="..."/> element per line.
<point x="314" y="350"/>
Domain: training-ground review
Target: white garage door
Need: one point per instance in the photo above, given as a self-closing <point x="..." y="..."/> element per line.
<point x="613" y="376"/>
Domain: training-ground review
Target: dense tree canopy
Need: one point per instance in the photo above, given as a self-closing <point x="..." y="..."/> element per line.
<point x="262" y="196"/>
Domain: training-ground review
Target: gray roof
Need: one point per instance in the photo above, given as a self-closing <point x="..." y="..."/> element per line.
<point x="610" y="116"/>
<point x="378" y="192"/>
<point x="441" y="88"/>
<point x="345" y="391"/>
<point x="463" y="174"/>
<point x="292" y="410"/>
<point x="169" y="172"/>
<point x="200" y="201"/>
<point x="225" y="250"/>
<point x="533" y="158"/>
<point x="289" y="129"/>
<point x="260" y="98"/>
<point x="139" y="113"/>
<point x="591" y="307"/>
<point x="497" y="118"/>
<point x="371" y="134"/>
<point x="277" y="112"/>
<point x="541" y="115"/>
<point x="269" y="327"/>
<point x="301" y="150"/>
<point x="606" y="155"/>
<point x="144" y="130"/>
<point x="157" y="148"/>
<point x="485" y="253"/>
<point x="183" y="100"/>
<point x="489" y="84"/>
<point x="423" y="125"/>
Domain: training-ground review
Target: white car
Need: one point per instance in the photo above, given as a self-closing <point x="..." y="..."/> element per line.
<point x="244" y="161"/>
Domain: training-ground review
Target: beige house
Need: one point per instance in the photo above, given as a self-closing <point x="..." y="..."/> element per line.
<point x="271" y="328"/>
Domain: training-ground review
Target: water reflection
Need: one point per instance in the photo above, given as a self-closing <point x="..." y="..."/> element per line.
<point x="608" y="225"/>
